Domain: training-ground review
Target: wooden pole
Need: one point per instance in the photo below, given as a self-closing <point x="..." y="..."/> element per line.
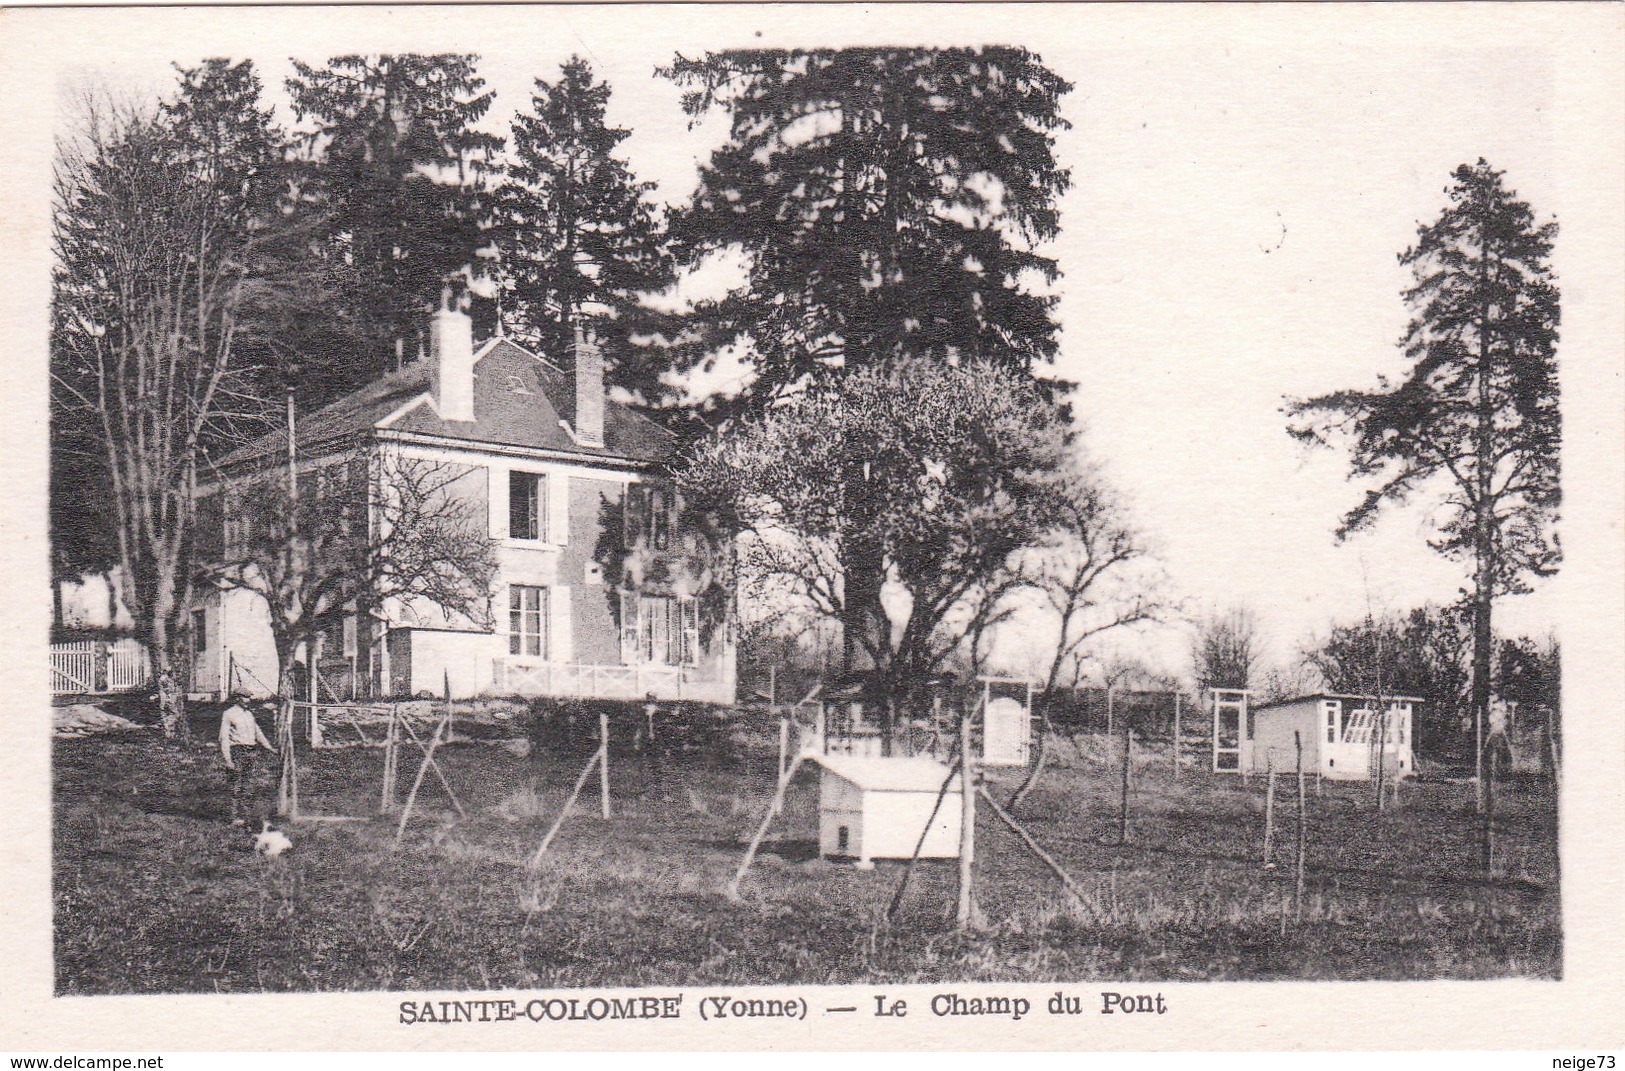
<point x="1551" y="749"/>
<point x="564" y="812"/>
<point x="1489" y="811"/>
<point x="603" y="763"/>
<point x="919" y="845"/>
<point x="784" y="750"/>
<point x="761" y="830"/>
<point x="1176" y="736"/>
<point x="966" y="910"/>
<point x="1303" y="832"/>
<point x="386" y="802"/>
<point x="1269" y="809"/>
<point x="1026" y="838"/>
<point x="1381" y="732"/>
<point x="1128" y="767"/>
<point x="417" y="783"/>
<point x="288" y="789"/>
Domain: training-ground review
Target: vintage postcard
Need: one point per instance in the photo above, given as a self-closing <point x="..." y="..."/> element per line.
<point x="896" y="527"/>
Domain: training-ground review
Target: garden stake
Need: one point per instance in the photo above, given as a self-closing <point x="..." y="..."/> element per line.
<point x="1303" y="831"/>
<point x="966" y="909"/>
<point x="1128" y="765"/>
<point x="1176" y="737"/>
<point x="603" y="763"/>
<point x="1026" y="838"/>
<point x="564" y="813"/>
<point x="761" y="830"/>
<point x="1269" y="809"/>
<point x="908" y="872"/>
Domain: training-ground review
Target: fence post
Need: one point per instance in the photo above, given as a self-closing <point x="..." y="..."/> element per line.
<point x="1303" y="831"/>
<point x="1176" y="736"/>
<point x="603" y="762"/>
<point x="1128" y="773"/>
<point x="967" y="825"/>
<point x="1269" y="808"/>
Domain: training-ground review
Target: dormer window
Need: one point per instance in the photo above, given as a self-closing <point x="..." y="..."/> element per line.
<point x="516" y="385"/>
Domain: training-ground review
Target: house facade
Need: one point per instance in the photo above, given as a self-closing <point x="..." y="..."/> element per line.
<point x="1338" y="734"/>
<point x="600" y="588"/>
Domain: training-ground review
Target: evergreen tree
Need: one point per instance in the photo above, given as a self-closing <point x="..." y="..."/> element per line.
<point x="398" y="175"/>
<point x="228" y="141"/>
<point x="579" y="239"/>
<point x="889" y="202"/>
<point x="1476" y="411"/>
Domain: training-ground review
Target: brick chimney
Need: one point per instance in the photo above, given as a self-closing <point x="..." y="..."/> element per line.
<point x="451" y="350"/>
<point x="587" y="414"/>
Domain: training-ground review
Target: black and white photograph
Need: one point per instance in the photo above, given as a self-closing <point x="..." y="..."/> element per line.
<point x="914" y="525"/>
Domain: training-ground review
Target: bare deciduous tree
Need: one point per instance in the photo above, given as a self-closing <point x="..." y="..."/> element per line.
<point x="1087" y="579"/>
<point x="152" y="269"/>
<point x="365" y="531"/>
<point x="1225" y="651"/>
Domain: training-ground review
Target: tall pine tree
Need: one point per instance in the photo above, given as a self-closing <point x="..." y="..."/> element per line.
<point x="1476" y="411"/>
<point x="580" y="239"/>
<point x="890" y="203"/>
<point x="398" y="175"/>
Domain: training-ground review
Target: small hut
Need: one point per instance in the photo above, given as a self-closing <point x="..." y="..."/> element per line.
<point x="1338" y="734"/>
<point x="876" y="808"/>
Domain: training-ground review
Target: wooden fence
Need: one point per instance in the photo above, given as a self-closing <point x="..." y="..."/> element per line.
<point x="92" y="667"/>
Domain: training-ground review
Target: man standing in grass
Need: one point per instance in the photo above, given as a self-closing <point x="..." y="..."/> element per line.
<point x="239" y="736"/>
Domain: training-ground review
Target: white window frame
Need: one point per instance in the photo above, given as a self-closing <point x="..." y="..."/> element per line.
<point x="539" y="500"/>
<point x="631" y="628"/>
<point x="660" y="630"/>
<point x="688" y="611"/>
<point x="521" y="639"/>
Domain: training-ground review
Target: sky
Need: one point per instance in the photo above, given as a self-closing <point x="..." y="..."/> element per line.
<point x="1243" y="179"/>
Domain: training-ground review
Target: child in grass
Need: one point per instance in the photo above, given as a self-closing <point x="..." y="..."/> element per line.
<point x="240" y="736"/>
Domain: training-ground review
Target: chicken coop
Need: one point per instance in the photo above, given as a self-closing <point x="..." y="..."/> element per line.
<point x="876" y="808"/>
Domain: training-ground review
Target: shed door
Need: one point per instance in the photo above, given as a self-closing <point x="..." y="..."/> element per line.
<point x="1005" y="733"/>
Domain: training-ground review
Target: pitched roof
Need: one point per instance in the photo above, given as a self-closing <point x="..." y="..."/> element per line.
<point x="517" y="401"/>
<point x="888" y="774"/>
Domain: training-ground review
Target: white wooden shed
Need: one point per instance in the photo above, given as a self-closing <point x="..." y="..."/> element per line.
<point x="875" y="808"/>
<point x="1338" y="734"/>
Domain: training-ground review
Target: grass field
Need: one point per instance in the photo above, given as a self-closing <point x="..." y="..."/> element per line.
<point x="155" y="893"/>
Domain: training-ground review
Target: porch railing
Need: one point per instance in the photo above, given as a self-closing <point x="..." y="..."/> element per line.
<point x="522" y="676"/>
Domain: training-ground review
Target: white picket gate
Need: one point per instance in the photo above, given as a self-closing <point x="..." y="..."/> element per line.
<point x="73" y="667"/>
<point x="89" y="666"/>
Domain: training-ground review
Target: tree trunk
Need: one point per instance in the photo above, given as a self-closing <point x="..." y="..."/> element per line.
<point x="287" y="794"/>
<point x="1483" y="533"/>
<point x="171" y="699"/>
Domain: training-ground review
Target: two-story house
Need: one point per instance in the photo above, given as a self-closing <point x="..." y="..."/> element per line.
<point x="600" y="589"/>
